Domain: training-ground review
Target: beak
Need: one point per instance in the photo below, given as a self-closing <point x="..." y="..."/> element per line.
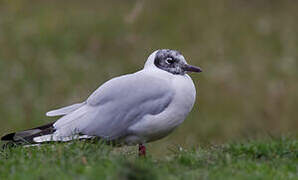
<point x="191" y="68"/>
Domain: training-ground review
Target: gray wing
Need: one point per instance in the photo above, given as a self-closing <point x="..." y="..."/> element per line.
<point x="65" y="110"/>
<point x="118" y="104"/>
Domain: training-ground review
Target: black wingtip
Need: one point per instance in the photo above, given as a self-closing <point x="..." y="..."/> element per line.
<point x="8" y="137"/>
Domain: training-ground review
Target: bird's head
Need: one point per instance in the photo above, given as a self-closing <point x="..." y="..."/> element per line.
<point x="171" y="61"/>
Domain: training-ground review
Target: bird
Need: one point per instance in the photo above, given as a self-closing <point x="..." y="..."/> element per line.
<point x="132" y="109"/>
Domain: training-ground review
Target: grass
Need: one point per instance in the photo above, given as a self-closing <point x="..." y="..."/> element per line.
<point x="253" y="159"/>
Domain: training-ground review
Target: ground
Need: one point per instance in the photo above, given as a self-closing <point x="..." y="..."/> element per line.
<point x="274" y="158"/>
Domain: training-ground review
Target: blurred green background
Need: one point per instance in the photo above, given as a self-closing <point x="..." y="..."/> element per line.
<point x="55" y="53"/>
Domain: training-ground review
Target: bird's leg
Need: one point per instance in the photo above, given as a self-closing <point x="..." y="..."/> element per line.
<point x="142" y="150"/>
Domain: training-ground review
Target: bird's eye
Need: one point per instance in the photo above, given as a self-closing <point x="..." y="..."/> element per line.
<point x="169" y="60"/>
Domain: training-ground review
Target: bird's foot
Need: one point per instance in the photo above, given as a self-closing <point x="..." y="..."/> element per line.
<point x="142" y="150"/>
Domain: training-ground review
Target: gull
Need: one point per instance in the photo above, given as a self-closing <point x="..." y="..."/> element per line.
<point x="132" y="109"/>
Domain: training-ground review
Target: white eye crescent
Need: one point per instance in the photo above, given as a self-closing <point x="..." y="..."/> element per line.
<point x="170" y="60"/>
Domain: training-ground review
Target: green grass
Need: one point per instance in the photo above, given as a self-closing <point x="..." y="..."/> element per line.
<point x="253" y="159"/>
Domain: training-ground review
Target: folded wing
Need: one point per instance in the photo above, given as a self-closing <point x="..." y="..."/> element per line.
<point x="116" y="105"/>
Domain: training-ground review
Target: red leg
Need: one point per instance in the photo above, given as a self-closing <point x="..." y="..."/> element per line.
<point x="142" y="150"/>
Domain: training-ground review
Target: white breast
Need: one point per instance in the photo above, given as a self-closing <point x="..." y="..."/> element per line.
<point x="153" y="127"/>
